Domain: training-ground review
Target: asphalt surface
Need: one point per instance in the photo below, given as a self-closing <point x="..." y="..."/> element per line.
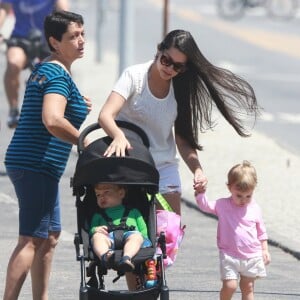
<point x="195" y="274"/>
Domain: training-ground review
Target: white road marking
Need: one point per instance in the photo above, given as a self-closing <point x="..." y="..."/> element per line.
<point x="256" y="74"/>
<point x="6" y="199"/>
<point x="289" y="118"/>
<point x="267" y="117"/>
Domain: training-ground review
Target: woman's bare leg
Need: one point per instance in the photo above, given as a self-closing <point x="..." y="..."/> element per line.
<point x="41" y="266"/>
<point x="131" y="281"/>
<point x="19" y="265"/>
<point x="174" y="199"/>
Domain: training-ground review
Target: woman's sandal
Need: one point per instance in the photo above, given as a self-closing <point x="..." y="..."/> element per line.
<point x="107" y="259"/>
<point x="125" y="264"/>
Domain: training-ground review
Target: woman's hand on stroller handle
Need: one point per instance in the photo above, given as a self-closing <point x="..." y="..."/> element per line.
<point x="118" y="146"/>
<point x="123" y="146"/>
<point x="86" y="142"/>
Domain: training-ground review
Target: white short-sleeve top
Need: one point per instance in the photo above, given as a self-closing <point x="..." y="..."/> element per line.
<point x="156" y="116"/>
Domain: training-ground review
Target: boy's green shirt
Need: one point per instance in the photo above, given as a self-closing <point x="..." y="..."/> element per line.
<point x="134" y="218"/>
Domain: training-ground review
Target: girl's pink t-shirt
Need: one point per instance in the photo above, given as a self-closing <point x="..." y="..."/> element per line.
<point x="240" y="228"/>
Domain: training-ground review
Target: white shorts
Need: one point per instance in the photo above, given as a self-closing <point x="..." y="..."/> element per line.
<point x="169" y="179"/>
<point x="232" y="268"/>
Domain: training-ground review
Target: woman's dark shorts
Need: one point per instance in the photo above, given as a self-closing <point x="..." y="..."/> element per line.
<point x="38" y="197"/>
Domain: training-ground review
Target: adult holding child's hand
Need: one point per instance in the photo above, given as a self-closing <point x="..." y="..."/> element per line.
<point x="171" y="99"/>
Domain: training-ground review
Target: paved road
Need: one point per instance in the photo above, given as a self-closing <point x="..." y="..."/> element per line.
<point x="195" y="275"/>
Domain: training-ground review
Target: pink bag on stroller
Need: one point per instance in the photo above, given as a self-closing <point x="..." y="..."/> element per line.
<point x="170" y="223"/>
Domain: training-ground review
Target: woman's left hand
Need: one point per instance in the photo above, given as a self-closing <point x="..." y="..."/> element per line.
<point x="88" y="102"/>
<point x="200" y="181"/>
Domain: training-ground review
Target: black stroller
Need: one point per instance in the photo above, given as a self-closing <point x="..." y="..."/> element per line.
<point x="138" y="173"/>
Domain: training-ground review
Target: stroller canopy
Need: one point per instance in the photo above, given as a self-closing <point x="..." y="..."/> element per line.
<point x="136" y="168"/>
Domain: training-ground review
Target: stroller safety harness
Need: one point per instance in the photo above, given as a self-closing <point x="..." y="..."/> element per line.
<point x="118" y="230"/>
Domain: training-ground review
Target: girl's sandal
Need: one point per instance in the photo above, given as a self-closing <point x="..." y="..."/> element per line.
<point x="125" y="264"/>
<point x="107" y="259"/>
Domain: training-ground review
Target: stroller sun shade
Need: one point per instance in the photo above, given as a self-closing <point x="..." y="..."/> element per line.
<point x="136" y="168"/>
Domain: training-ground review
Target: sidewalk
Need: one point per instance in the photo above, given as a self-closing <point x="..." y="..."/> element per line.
<point x="278" y="170"/>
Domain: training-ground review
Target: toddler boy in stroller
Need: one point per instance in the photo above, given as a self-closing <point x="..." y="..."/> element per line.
<point x="117" y="225"/>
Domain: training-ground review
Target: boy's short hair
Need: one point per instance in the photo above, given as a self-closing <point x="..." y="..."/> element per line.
<point x="120" y="186"/>
<point x="243" y="176"/>
<point x="113" y="186"/>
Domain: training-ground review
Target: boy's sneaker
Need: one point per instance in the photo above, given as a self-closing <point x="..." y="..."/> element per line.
<point x="125" y="265"/>
<point x="13" y="118"/>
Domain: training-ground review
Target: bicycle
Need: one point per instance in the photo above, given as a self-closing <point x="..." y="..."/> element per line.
<point x="235" y="9"/>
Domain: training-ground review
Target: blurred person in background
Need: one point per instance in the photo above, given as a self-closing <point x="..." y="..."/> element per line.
<point x="29" y="19"/>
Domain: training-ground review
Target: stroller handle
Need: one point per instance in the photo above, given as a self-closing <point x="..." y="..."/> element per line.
<point x="122" y="124"/>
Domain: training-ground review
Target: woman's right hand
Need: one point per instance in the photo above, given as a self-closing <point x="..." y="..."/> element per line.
<point x="118" y="146"/>
<point x="106" y="119"/>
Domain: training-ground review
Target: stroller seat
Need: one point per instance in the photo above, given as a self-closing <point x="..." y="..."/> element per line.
<point x="137" y="171"/>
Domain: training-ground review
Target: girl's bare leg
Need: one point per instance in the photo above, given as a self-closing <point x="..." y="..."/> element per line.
<point x="247" y="288"/>
<point x="228" y="289"/>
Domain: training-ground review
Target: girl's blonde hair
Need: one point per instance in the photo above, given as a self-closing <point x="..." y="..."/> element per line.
<point x="242" y="176"/>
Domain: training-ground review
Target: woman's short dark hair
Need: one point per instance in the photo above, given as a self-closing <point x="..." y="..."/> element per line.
<point x="56" y="24"/>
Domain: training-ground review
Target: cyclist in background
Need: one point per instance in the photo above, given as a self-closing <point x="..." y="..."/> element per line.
<point x="29" y="19"/>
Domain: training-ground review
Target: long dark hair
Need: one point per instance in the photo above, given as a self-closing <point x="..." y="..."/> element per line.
<point x="204" y="85"/>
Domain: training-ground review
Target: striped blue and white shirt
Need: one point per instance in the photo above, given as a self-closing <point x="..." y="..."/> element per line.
<point x="32" y="146"/>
